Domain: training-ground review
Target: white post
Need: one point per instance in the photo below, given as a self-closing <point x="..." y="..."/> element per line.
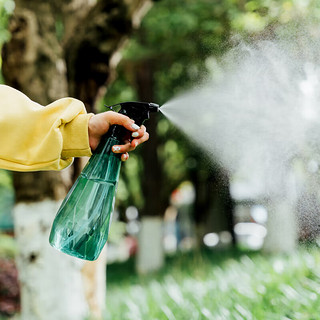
<point x="150" y="255"/>
<point x="281" y="228"/>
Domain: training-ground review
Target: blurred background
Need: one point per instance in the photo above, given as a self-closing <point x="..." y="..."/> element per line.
<point x="188" y="240"/>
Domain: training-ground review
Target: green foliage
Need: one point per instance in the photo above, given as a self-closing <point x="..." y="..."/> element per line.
<point x="129" y="186"/>
<point x="119" y="91"/>
<point x="213" y="285"/>
<point x="6" y="200"/>
<point x="182" y="40"/>
<point x="8" y="247"/>
<point x="6" y="9"/>
<point x="255" y="16"/>
<point x="59" y="28"/>
<point x="177" y="36"/>
<point x="5" y="179"/>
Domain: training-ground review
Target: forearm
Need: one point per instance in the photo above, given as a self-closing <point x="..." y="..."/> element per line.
<point x="34" y="137"/>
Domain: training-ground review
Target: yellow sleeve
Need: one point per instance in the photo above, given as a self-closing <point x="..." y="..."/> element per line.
<point x="34" y="137"/>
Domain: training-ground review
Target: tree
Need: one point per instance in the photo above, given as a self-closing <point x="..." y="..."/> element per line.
<point x="60" y="48"/>
<point x="176" y="43"/>
<point x="166" y="56"/>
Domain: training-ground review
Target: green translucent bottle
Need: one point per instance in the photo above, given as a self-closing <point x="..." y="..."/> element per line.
<point x="82" y="224"/>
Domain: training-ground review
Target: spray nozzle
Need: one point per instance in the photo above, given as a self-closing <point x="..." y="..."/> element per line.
<point x="138" y="111"/>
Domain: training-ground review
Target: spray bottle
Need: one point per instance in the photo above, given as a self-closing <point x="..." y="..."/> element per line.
<point x="81" y="226"/>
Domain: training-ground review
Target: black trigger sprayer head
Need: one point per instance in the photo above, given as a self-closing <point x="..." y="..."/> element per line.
<point x="138" y="111"/>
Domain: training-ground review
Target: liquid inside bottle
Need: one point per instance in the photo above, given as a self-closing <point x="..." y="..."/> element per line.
<point x="82" y="224"/>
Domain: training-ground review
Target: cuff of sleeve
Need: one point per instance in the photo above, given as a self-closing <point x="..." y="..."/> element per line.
<point x="76" y="138"/>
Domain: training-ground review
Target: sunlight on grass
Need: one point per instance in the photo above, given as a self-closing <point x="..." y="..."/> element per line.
<point x="220" y="286"/>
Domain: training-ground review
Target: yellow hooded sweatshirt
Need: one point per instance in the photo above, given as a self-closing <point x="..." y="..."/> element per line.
<point x="34" y="137"/>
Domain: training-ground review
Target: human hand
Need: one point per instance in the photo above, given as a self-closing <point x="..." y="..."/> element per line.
<point x="100" y="123"/>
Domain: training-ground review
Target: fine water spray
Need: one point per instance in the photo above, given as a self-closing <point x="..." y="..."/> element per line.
<point x="258" y="116"/>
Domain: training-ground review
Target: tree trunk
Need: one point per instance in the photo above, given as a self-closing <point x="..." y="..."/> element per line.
<point x="33" y="63"/>
<point x="60" y="48"/>
<point x="213" y="210"/>
<point x="151" y="256"/>
<point x="51" y="282"/>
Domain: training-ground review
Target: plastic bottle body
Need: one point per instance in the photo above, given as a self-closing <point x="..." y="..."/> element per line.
<point x="82" y="224"/>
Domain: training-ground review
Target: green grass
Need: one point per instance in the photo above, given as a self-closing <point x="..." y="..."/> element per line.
<point x="219" y="286"/>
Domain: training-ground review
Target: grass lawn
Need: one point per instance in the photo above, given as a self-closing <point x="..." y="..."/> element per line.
<point x="219" y="286"/>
